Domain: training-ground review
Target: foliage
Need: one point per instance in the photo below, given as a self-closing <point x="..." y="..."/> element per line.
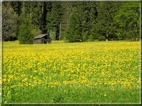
<point x="105" y="23"/>
<point x="113" y="20"/>
<point x="72" y="73"/>
<point x="73" y="32"/>
<point x="9" y="19"/>
<point x="67" y="10"/>
<point x="36" y="32"/>
<point x="101" y="38"/>
<point x="25" y="33"/>
<point x="56" y="17"/>
<point x="17" y="7"/>
<point x="127" y="20"/>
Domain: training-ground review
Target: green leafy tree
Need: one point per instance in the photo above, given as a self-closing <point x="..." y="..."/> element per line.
<point x="105" y="24"/>
<point x="37" y="12"/>
<point x="17" y="7"/>
<point x="67" y="9"/>
<point x="9" y="26"/>
<point x="34" y="12"/>
<point x="56" y="17"/>
<point x="89" y="16"/>
<point x="86" y="15"/>
<point x="43" y="22"/>
<point x="128" y="21"/>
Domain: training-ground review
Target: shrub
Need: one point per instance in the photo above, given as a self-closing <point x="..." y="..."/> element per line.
<point x="101" y="38"/>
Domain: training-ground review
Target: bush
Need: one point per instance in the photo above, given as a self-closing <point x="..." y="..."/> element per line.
<point x="90" y="39"/>
<point x="84" y="37"/>
<point x="101" y="38"/>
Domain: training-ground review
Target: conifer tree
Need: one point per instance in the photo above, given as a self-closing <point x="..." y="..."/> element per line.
<point x="73" y="31"/>
<point x="104" y="26"/>
<point x="67" y="9"/>
<point x="56" y="17"/>
<point x="25" y="33"/>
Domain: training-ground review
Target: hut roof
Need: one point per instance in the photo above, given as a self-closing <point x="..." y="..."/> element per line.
<point x="40" y="35"/>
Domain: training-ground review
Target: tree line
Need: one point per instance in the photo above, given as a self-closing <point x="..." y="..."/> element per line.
<point x="71" y="21"/>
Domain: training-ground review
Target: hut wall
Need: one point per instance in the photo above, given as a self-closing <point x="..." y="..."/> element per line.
<point x="38" y="41"/>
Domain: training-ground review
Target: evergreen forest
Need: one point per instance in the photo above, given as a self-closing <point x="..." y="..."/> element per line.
<point x="71" y="21"/>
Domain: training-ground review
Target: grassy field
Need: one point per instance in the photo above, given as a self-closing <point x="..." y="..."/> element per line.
<point x="91" y="72"/>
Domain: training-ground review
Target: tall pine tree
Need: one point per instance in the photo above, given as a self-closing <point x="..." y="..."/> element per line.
<point x="73" y="31"/>
<point x="25" y="33"/>
<point x="56" y="16"/>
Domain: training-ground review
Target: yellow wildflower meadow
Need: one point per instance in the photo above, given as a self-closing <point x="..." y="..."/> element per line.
<point x="97" y="65"/>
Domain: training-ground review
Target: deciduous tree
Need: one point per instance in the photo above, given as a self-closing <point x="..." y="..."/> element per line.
<point x="128" y="21"/>
<point x="9" y="22"/>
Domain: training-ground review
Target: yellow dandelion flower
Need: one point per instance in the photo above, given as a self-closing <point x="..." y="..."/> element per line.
<point x="105" y="94"/>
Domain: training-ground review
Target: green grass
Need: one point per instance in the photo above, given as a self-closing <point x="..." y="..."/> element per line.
<point x="66" y="94"/>
<point x="88" y="72"/>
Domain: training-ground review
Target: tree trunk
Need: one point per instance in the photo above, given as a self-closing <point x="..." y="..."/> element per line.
<point x="60" y="31"/>
<point x="43" y="19"/>
<point x="57" y="32"/>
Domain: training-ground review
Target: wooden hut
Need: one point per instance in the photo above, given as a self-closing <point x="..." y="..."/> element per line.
<point x="42" y="39"/>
